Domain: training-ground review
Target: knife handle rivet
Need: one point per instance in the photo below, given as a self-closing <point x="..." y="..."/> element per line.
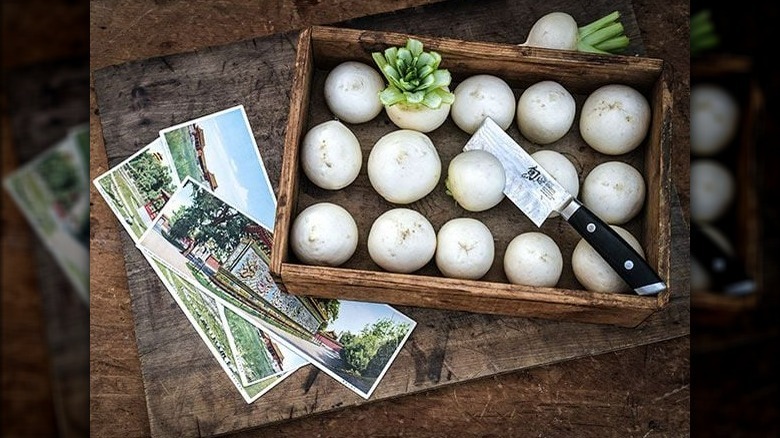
<point x="629" y="265"/>
<point x="591" y="227"/>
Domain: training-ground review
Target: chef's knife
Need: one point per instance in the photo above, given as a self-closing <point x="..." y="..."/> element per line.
<point x="538" y="194"/>
<point x="726" y="271"/>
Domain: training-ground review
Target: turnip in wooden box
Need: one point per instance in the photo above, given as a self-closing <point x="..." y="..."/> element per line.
<point x="320" y="49"/>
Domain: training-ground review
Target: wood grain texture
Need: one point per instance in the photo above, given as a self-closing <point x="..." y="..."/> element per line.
<point x="46" y="101"/>
<point x="110" y="407"/>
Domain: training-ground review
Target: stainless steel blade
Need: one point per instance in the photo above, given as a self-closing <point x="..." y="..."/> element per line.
<point x="528" y="185"/>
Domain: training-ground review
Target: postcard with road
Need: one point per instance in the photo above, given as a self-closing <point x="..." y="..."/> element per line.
<point x="224" y="253"/>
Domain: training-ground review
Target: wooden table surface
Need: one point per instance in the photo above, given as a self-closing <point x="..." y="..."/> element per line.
<point x="627" y="393"/>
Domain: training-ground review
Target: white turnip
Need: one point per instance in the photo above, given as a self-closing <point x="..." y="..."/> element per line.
<point x="330" y="155"/>
<point x="476" y="180"/>
<point x="559" y="30"/>
<point x="714" y="119"/>
<point x="533" y="259"/>
<point x="352" y="92"/>
<point x="614" y="191"/>
<point x="401" y="240"/>
<point x="464" y="249"/>
<point x="615" y="119"/>
<point x="593" y="272"/>
<point x="404" y="166"/>
<point x="324" y="234"/>
<point x="481" y="96"/>
<point x="560" y="168"/>
<point x="545" y="112"/>
<point x="712" y="189"/>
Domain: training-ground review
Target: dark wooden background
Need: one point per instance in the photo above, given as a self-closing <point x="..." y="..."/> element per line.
<point x="734" y="388"/>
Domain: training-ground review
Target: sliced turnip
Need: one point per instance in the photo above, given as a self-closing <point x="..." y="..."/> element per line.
<point x="593" y="272"/>
<point x="545" y="112"/>
<point x="464" y="249"/>
<point x="330" y="155"/>
<point x="401" y="240"/>
<point x="533" y="259"/>
<point x="615" y="119"/>
<point x="352" y="92"/>
<point x="476" y="180"/>
<point x="404" y="166"/>
<point x="483" y="96"/>
<point x="324" y="234"/>
<point x="558" y="30"/>
<point x="614" y="191"/>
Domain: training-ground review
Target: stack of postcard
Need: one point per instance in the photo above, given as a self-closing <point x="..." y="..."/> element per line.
<point x="52" y="191"/>
<point x="199" y="205"/>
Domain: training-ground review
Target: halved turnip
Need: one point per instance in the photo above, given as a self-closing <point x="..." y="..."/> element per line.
<point x="352" y="92"/>
<point x="404" y="166"/>
<point x="464" y="249"/>
<point x="476" y="180"/>
<point x="401" y="240"/>
<point x="324" y="234"/>
<point x="330" y="155"/>
<point x="615" y="119"/>
<point x="481" y="96"/>
<point x="545" y="112"/>
<point x="533" y="259"/>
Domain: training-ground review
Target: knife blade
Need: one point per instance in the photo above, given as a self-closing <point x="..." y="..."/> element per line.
<point x="727" y="272"/>
<point x="537" y="194"/>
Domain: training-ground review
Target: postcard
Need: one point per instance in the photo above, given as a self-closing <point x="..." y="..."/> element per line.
<point x="52" y="191"/>
<point x="137" y="188"/>
<point x="219" y="151"/>
<point x="252" y="361"/>
<point x="225" y="254"/>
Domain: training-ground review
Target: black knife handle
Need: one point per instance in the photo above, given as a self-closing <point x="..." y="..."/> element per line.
<point x="631" y="267"/>
<point x="727" y="273"/>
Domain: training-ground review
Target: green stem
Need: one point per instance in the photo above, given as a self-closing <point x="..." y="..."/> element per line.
<point x="598" y="24"/>
<point x="613" y="44"/>
<point x="603" y="36"/>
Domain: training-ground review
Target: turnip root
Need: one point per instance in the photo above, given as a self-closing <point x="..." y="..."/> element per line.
<point x="330" y="155"/>
<point x="401" y="240"/>
<point x="714" y="119"/>
<point x="417" y="95"/>
<point x="352" y="90"/>
<point x="483" y="96"/>
<point x="614" y="191"/>
<point x="476" y="180"/>
<point x="464" y="249"/>
<point x="558" y="30"/>
<point x="545" y="112"/>
<point x="560" y="168"/>
<point x="593" y="272"/>
<point x="533" y="259"/>
<point x="404" y="166"/>
<point x="324" y="234"/>
<point x="712" y="189"/>
<point x="615" y="119"/>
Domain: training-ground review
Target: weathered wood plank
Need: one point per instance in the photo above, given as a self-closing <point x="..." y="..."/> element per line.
<point x="447" y="347"/>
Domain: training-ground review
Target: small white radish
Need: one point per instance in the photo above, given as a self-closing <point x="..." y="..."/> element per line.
<point x="593" y="272"/>
<point x="401" y="240"/>
<point x="533" y="259"/>
<point x="481" y="96"/>
<point x="464" y="249"/>
<point x="545" y="112"/>
<point x="352" y="92"/>
<point x="560" y="168"/>
<point x="559" y="30"/>
<point x="615" y="119"/>
<point x="330" y="155"/>
<point x="324" y="234"/>
<point x="614" y="191"/>
<point x="476" y="180"/>
<point x="417" y="117"/>
<point x="712" y="189"/>
<point x="714" y="119"/>
<point x="404" y="166"/>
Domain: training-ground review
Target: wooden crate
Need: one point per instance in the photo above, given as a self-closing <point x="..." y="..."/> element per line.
<point x="741" y="224"/>
<point x="322" y="48"/>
